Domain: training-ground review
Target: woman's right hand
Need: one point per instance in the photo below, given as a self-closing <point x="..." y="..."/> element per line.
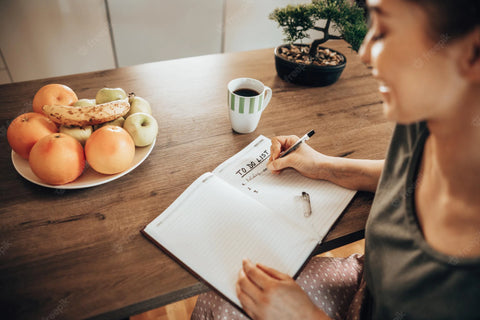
<point x="305" y="159"/>
<point x="355" y="174"/>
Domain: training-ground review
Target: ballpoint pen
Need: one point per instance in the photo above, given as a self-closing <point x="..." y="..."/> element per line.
<point x="298" y="143"/>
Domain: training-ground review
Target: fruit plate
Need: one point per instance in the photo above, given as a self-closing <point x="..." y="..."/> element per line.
<point x="89" y="177"/>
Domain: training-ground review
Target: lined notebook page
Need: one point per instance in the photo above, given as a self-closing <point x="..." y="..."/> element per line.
<point x="247" y="172"/>
<point x="212" y="226"/>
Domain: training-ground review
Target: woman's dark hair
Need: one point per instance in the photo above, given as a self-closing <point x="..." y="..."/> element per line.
<point x="451" y="18"/>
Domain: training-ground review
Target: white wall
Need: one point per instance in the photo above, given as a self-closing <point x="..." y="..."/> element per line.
<point x="54" y="37"/>
<point x="4" y="77"/>
<point x="152" y="30"/>
<point x="46" y="38"/>
<point x="247" y="26"/>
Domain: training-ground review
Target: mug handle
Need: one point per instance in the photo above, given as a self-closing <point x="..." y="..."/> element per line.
<point x="268" y="96"/>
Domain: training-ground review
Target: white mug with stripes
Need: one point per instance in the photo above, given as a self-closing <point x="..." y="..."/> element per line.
<point x="247" y="98"/>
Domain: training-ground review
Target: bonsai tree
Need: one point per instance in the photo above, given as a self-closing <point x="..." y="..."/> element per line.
<point x="348" y="19"/>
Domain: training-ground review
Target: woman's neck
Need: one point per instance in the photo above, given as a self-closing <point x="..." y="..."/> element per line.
<point x="452" y="151"/>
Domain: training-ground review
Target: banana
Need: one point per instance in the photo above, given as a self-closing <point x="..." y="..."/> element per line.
<point x="87" y="116"/>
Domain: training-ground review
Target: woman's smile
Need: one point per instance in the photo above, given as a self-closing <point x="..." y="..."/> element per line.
<point x="383" y="88"/>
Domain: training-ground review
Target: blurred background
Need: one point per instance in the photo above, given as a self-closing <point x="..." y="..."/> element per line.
<point x="47" y="38"/>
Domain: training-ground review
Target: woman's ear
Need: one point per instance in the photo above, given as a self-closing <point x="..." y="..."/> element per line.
<point x="470" y="61"/>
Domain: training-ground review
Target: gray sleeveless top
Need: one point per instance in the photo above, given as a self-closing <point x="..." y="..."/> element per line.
<point x="406" y="278"/>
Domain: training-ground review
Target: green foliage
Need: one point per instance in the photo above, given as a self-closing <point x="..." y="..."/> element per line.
<point x="297" y="20"/>
<point x="354" y="34"/>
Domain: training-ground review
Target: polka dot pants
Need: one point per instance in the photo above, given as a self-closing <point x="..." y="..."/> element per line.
<point x="333" y="284"/>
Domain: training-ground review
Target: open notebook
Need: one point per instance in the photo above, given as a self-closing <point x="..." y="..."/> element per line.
<point x="242" y="210"/>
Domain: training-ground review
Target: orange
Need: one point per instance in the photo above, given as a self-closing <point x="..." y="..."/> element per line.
<point x="51" y="94"/>
<point x="110" y="150"/>
<point x="57" y="159"/>
<point x="26" y="129"/>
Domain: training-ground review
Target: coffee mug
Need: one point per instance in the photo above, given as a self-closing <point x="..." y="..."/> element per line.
<point x="247" y="98"/>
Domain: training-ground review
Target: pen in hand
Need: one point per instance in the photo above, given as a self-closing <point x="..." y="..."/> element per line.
<point x="298" y="143"/>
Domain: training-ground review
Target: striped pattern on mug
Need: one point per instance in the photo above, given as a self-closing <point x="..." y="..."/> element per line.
<point x="246" y="104"/>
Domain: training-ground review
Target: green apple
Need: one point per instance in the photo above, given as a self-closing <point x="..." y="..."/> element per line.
<point x="117" y="122"/>
<point x="85" y="103"/>
<point x="142" y="127"/>
<point x="79" y="133"/>
<point x="110" y="94"/>
<point x="138" y="104"/>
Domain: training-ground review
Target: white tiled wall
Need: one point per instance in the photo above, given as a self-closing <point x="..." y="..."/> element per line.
<point x="48" y="38"/>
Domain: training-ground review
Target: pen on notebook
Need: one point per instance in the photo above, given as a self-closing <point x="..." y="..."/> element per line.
<point x="298" y="143"/>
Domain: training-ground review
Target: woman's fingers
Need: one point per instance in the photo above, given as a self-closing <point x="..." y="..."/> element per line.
<point x="279" y="164"/>
<point x="273" y="272"/>
<point x="255" y="275"/>
<point x="253" y="286"/>
<point x="279" y="144"/>
<point x="266" y="293"/>
<point x="246" y="301"/>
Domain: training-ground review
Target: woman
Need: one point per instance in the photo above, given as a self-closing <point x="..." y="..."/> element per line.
<point x="422" y="254"/>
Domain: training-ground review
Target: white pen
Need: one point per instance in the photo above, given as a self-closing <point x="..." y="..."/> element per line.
<point x="298" y="143"/>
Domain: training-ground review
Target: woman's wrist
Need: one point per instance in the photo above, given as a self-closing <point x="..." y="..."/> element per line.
<point x="356" y="174"/>
<point x="326" y="167"/>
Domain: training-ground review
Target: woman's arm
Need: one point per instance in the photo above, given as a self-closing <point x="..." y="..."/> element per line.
<point x="356" y="174"/>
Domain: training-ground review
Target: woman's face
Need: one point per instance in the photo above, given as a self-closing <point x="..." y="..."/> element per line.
<point x="417" y="75"/>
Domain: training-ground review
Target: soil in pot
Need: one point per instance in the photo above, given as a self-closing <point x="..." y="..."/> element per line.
<point x="301" y="54"/>
<point x="295" y="64"/>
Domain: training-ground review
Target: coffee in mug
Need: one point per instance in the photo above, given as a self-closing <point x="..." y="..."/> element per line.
<point x="246" y="92"/>
<point x="247" y="98"/>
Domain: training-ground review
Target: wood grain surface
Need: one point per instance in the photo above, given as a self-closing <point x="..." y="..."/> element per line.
<point x="79" y="253"/>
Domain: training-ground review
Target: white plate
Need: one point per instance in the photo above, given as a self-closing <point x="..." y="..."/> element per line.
<point x="89" y="177"/>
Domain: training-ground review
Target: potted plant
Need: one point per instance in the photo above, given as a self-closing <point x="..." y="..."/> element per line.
<point x="312" y="64"/>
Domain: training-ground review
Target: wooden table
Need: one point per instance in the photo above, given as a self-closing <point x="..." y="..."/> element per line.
<point x="79" y="253"/>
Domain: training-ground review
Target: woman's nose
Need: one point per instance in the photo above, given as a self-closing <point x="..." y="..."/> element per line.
<point x="365" y="48"/>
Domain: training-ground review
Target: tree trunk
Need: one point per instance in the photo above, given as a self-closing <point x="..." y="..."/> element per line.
<point x="316" y="43"/>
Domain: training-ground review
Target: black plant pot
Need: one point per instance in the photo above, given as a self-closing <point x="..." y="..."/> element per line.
<point x="309" y="75"/>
